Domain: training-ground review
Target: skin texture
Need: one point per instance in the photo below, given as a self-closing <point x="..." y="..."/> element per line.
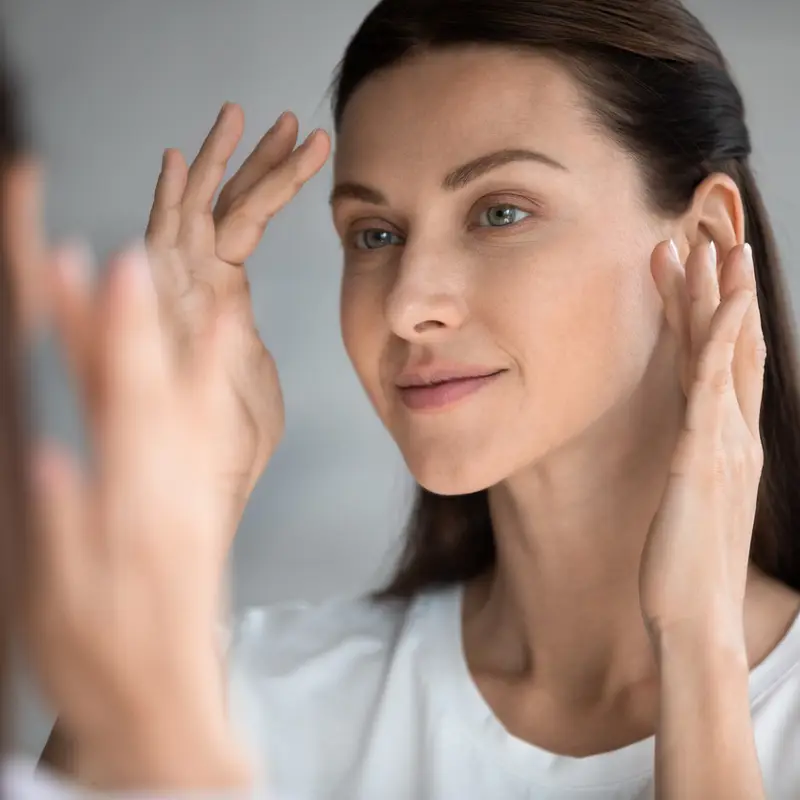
<point x="602" y="336"/>
<point x="458" y="290"/>
<point x="576" y="439"/>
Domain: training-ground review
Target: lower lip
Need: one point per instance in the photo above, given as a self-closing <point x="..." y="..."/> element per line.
<point x="440" y="395"/>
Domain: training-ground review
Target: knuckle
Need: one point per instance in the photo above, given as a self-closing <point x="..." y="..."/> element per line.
<point x="721" y="381"/>
<point x="713" y="369"/>
<point x="721" y="466"/>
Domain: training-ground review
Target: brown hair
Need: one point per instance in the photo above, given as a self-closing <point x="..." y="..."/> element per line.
<point x="659" y="84"/>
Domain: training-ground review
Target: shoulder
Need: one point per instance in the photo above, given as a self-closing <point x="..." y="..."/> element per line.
<point x="318" y="655"/>
<point x="274" y="640"/>
<point x="307" y="682"/>
<point x="775" y="701"/>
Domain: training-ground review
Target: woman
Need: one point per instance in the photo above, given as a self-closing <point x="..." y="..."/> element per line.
<point x="556" y="271"/>
<point x="89" y="629"/>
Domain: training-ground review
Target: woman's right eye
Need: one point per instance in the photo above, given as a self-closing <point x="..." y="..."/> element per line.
<point x="375" y="239"/>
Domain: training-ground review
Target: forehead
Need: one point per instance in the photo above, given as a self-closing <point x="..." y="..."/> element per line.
<point x="449" y="106"/>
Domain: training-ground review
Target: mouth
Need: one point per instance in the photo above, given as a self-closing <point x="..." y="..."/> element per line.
<point x="435" y="391"/>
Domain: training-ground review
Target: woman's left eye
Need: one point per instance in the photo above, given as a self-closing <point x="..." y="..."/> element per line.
<point x="501" y="216"/>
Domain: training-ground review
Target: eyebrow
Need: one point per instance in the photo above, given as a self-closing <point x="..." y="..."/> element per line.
<point x="457" y="179"/>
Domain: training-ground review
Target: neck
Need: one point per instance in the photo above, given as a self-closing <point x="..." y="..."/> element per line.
<point x="569" y="533"/>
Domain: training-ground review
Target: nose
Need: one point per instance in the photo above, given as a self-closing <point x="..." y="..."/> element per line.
<point x="428" y="298"/>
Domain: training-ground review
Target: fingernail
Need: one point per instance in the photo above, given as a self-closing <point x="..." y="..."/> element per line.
<point x="223" y="110"/>
<point x="278" y="122"/>
<point x="712" y="254"/>
<point x="311" y="136"/>
<point x="748" y="253"/>
<point x="673" y="249"/>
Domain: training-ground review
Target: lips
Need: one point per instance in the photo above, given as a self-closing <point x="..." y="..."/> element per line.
<point x="435" y="377"/>
<point x="437" y="389"/>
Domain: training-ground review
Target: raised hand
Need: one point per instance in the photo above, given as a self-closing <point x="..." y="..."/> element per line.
<point x="127" y="559"/>
<point x="695" y="563"/>
<point x="197" y="250"/>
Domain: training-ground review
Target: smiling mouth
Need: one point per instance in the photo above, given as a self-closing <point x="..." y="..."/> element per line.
<point x="439" y="393"/>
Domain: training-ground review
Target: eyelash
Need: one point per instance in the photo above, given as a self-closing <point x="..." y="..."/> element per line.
<point x="357" y="235"/>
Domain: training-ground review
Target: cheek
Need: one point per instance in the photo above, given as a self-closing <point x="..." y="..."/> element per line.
<point x="584" y="336"/>
<point x="605" y="335"/>
<point x="361" y="314"/>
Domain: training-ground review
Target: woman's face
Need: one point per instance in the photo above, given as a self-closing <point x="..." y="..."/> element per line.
<point x="532" y="267"/>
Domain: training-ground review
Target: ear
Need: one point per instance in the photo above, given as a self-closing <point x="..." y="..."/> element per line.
<point x="715" y="214"/>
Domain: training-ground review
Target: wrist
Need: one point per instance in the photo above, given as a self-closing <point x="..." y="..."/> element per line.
<point x="704" y="648"/>
<point x="699" y="635"/>
<point x="704" y="740"/>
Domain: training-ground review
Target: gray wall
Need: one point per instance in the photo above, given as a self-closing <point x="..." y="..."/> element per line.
<point x="111" y="84"/>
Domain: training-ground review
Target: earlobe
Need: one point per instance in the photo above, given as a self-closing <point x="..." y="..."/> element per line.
<point x="716" y="214"/>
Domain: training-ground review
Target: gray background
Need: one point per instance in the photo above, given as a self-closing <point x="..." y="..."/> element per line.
<point x="110" y="84"/>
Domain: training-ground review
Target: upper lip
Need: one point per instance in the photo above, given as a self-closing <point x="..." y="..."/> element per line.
<point x="442" y="374"/>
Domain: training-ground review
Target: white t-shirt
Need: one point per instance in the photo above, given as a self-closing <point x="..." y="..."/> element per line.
<point x="355" y="700"/>
<point x="20" y="780"/>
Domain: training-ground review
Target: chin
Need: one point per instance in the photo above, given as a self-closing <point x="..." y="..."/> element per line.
<point x="454" y="473"/>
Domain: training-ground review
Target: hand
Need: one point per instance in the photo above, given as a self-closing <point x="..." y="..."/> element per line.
<point x="695" y="562"/>
<point x="197" y="251"/>
<point x="127" y="562"/>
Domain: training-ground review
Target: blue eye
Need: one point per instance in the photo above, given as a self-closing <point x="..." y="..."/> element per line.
<point x="501" y="216"/>
<point x="375" y="239"/>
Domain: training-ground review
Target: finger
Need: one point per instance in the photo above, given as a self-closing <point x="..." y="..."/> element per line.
<point x="141" y="417"/>
<point x="713" y="387"/>
<point x="24" y="243"/>
<point x="735" y="273"/>
<point x="670" y="279"/>
<point x="208" y="169"/>
<point x="751" y="353"/>
<point x="164" y="223"/>
<point x="275" y="146"/>
<point x="74" y="317"/>
<point x="702" y="286"/>
<point x="240" y="230"/>
<point x="133" y="361"/>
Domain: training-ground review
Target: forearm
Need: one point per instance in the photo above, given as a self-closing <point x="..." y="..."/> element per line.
<point x="704" y="744"/>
